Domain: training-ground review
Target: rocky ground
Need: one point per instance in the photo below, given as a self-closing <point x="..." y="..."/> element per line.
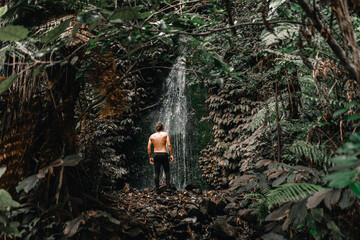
<point x="189" y="214"/>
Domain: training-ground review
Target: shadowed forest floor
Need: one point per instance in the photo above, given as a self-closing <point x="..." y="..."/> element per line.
<point x="187" y="214"/>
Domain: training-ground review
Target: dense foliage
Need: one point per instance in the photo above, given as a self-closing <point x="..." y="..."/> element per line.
<point x="282" y="80"/>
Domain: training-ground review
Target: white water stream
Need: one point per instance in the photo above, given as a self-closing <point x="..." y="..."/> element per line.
<point x="174" y="115"/>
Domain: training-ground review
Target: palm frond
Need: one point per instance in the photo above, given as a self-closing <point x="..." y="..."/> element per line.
<point x="290" y="192"/>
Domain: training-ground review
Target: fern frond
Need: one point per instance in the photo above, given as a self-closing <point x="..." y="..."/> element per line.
<point x="290" y="192"/>
<point x="315" y="152"/>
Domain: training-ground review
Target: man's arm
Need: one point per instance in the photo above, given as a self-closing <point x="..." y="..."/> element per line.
<point x="170" y="148"/>
<point x="149" y="152"/>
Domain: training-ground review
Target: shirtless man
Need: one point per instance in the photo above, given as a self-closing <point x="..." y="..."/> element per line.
<point x="161" y="157"/>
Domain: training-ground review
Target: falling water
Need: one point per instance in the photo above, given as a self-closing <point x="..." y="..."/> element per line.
<point x="174" y="115"/>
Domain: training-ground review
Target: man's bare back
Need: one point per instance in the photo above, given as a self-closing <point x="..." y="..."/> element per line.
<point x="159" y="141"/>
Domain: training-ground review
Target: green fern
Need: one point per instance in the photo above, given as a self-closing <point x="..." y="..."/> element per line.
<point x="315" y="152"/>
<point x="290" y="192"/>
<point x="258" y="119"/>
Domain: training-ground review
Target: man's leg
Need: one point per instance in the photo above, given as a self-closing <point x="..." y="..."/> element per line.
<point x="166" y="166"/>
<point x="157" y="164"/>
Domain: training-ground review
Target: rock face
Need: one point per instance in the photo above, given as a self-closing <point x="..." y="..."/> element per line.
<point x="188" y="214"/>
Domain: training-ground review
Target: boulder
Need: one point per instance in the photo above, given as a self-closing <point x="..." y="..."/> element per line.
<point x="223" y="230"/>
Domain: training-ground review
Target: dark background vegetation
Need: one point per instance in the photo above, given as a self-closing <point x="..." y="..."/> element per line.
<point x="274" y="88"/>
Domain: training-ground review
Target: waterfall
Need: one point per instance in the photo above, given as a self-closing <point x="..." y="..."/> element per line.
<point x="174" y="115"/>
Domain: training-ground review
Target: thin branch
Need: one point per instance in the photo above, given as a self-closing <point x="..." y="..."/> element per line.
<point x="167" y="8"/>
<point x="215" y="30"/>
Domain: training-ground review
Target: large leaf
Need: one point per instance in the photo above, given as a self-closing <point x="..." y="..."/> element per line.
<point x="344" y="159"/>
<point x="5" y="84"/>
<point x="27" y="184"/>
<point x="340" y="179"/>
<point x="2" y="171"/>
<point x="71" y="227"/>
<point x="355" y="188"/>
<point x="6" y="201"/>
<point x="55" y="33"/>
<point x="335" y="230"/>
<point x="316" y="199"/>
<point x="3" y="10"/>
<point x="13" y="33"/>
<point x="126" y="13"/>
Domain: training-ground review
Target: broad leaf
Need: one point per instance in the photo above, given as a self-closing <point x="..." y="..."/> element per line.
<point x="3" y="10"/>
<point x="316" y="199"/>
<point x="335" y="230"/>
<point x="317" y="214"/>
<point x="27" y="184"/>
<point x="55" y="33"/>
<point x="352" y="117"/>
<point x="340" y="112"/>
<point x="2" y="171"/>
<point x="5" y="84"/>
<point x="6" y="201"/>
<point x="13" y="33"/>
<point x="355" y="188"/>
<point x="340" y="179"/>
<point x="344" y="159"/>
<point x="73" y="226"/>
<point x="126" y="13"/>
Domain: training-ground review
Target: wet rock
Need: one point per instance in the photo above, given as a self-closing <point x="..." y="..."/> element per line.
<point x="174" y="213"/>
<point x="223" y="230"/>
<point x="207" y="207"/>
<point x="244" y="203"/>
<point x="231" y="207"/>
<point x="232" y="220"/>
<point x="190" y="219"/>
<point x="136" y="233"/>
<point x="192" y="210"/>
<point x="229" y="199"/>
<point x="221" y="205"/>
<point x="181" y="226"/>
<point x="192" y="186"/>
<point x="246" y="214"/>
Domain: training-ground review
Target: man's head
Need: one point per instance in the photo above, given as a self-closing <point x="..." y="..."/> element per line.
<point x="159" y="127"/>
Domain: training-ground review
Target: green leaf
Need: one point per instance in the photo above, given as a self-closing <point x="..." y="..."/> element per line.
<point x="2" y="171"/>
<point x="55" y="33"/>
<point x="355" y="188"/>
<point x="334" y="229"/>
<point x="144" y="15"/>
<point x="355" y="137"/>
<point x="5" y="84"/>
<point x="13" y="33"/>
<point x="344" y="159"/>
<point x="75" y="30"/>
<point x="6" y="201"/>
<point x="352" y="117"/>
<point x="340" y="179"/>
<point x="317" y="214"/>
<point x="27" y="184"/>
<point x="348" y="147"/>
<point x="126" y="13"/>
<point x="88" y="18"/>
<point x="340" y="112"/>
<point x="38" y="70"/>
<point x="296" y="7"/>
<point x="3" y="10"/>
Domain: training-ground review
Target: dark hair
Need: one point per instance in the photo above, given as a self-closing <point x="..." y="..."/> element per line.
<point x="159" y="127"/>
